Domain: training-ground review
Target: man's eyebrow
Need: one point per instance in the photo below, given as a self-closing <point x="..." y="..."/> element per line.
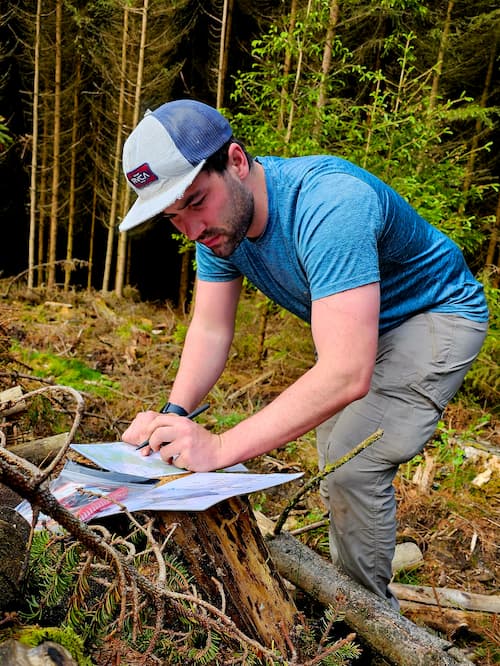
<point x="182" y="205"/>
<point x="189" y="199"/>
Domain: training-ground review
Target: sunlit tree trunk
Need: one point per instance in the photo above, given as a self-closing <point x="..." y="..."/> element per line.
<point x="225" y="39"/>
<point x="287" y="66"/>
<point x="327" y="61"/>
<point x="34" y="149"/>
<point x="122" y="241"/>
<point x="72" y="179"/>
<point x="56" y="149"/>
<point x="117" y="155"/>
<point x="298" y="74"/>
<point x="441" y="54"/>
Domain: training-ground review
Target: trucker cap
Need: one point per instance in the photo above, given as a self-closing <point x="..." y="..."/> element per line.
<point x="166" y="151"/>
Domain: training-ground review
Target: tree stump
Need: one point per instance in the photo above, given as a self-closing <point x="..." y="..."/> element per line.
<point x="225" y="551"/>
<point x="14" y="534"/>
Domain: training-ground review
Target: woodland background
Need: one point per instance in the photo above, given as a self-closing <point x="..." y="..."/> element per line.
<point x="408" y="89"/>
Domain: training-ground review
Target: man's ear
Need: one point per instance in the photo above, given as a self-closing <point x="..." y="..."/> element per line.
<point x="237" y="161"/>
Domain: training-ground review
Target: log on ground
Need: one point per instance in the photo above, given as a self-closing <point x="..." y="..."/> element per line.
<point x="394" y="637"/>
<point x="42" y="450"/>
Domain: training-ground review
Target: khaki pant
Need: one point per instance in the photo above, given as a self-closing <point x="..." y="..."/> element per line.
<point x="420" y="366"/>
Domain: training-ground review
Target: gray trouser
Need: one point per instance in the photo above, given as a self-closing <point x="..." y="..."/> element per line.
<point x="420" y="366"/>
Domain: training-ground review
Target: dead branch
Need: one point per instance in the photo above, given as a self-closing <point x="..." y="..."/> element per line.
<point x="312" y="483"/>
<point x="449" y="598"/>
<point x="73" y="265"/>
<point x="29" y="482"/>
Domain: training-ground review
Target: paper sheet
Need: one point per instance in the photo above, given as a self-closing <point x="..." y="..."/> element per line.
<point x="124" y="458"/>
<point x="200" y="491"/>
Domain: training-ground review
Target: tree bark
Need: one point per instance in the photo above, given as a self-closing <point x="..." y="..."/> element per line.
<point x="117" y="154"/>
<point x="225" y="37"/>
<point x="34" y="150"/>
<point x="56" y="158"/>
<point x="224" y="544"/>
<point x="73" y="185"/>
<point x="39" y="451"/>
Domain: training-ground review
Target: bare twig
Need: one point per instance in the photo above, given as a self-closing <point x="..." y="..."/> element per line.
<point x="28" y="481"/>
<point x="312" y="483"/>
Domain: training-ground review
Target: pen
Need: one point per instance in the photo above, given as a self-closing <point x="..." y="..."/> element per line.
<point x="191" y="415"/>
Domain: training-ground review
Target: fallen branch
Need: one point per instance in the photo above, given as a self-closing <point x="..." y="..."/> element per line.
<point x="29" y="482"/>
<point x="447" y="597"/>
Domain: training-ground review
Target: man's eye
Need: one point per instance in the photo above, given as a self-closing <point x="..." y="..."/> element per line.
<point x="197" y="203"/>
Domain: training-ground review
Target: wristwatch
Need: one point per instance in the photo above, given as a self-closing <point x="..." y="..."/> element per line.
<point x="172" y="408"/>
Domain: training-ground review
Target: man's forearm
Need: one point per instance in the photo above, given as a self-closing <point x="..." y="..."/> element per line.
<point x="304" y="405"/>
<point x="202" y="362"/>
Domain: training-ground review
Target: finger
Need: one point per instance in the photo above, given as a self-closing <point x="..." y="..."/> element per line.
<point x="161" y="437"/>
<point x="169" y="454"/>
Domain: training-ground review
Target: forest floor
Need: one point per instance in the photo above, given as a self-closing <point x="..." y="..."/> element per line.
<point x="122" y="355"/>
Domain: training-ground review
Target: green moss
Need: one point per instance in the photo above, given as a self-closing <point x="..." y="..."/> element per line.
<point x="33" y="635"/>
<point x="69" y="372"/>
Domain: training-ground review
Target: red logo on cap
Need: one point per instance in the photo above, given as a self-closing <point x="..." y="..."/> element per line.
<point x="141" y="176"/>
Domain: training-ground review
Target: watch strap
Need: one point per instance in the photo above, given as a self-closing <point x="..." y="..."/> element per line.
<point x="172" y="408"/>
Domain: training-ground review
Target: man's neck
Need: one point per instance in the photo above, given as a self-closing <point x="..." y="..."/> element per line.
<point x="257" y="183"/>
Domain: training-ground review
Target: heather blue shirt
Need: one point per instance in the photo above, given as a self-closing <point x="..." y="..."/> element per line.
<point x="333" y="226"/>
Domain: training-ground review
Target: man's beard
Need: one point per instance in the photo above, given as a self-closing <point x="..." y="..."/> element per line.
<point x="240" y="209"/>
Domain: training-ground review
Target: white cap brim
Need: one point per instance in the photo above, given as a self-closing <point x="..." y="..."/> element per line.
<point x="143" y="210"/>
<point x="162" y="174"/>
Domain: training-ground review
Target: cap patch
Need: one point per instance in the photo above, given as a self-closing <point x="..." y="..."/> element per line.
<point x="141" y="176"/>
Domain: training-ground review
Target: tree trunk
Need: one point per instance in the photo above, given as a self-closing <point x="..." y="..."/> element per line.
<point x="90" y="258"/>
<point x="225" y="36"/>
<point x="229" y="560"/>
<point x="72" y="179"/>
<point x="56" y="149"/>
<point x="287" y="65"/>
<point x="122" y="242"/>
<point x="469" y="173"/>
<point x="117" y="154"/>
<point x="183" y="305"/>
<point x="298" y="74"/>
<point x="42" y="217"/>
<point x="34" y="150"/>
<point x="493" y="249"/>
<point x="327" y="61"/>
<point x="441" y="53"/>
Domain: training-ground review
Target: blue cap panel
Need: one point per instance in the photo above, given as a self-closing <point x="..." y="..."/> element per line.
<point x="198" y="130"/>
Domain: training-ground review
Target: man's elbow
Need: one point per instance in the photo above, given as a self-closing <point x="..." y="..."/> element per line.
<point x="358" y="387"/>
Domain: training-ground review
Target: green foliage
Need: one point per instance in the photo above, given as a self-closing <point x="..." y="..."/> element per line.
<point x="482" y="382"/>
<point x="69" y="372"/>
<point x="5" y="136"/>
<point x="394" y="132"/>
<point x="179" y="334"/>
<point x="394" y="128"/>
<point x="449" y="453"/>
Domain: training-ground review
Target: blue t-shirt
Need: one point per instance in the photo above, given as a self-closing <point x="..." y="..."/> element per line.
<point x="333" y="226"/>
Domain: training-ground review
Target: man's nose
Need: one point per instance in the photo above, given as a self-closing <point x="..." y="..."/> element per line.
<point x="193" y="228"/>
